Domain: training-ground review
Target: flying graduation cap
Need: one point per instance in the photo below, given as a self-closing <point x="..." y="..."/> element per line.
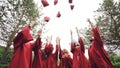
<point x="71" y="7"/>
<point x="58" y="14"/>
<point x="46" y="19"/>
<point x="45" y="3"/>
<point x="70" y="1"/>
<point x="55" y="2"/>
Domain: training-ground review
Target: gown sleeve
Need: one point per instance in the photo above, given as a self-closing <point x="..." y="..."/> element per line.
<point x="81" y="44"/>
<point x="37" y="44"/>
<point x="70" y="61"/>
<point x="22" y="37"/>
<point x="37" y="60"/>
<point x="61" y="54"/>
<point x="56" y="52"/>
<point x="48" y="49"/>
<point x="26" y="33"/>
<point x="72" y="47"/>
<point x="96" y="35"/>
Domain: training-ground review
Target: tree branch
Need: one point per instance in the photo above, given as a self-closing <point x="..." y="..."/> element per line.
<point x="3" y="39"/>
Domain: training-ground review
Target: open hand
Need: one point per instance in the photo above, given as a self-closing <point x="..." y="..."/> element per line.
<point x="32" y="23"/>
<point x="39" y="32"/>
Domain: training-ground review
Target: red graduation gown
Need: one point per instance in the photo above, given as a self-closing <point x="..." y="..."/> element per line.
<point x="85" y="62"/>
<point x="51" y="58"/>
<point x="97" y="54"/>
<point x="65" y="62"/>
<point x="81" y="44"/>
<point x="22" y="54"/>
<point x="37" y="62"/>
<point x="44" y="57"/>
<point x="79" y="59"/>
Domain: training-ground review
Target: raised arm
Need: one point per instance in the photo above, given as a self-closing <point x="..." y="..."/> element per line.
<point x="26" y="32"/>
<point x="80" y="41"/>
<point x="38" y="42"/>
<point x="57" y="47"/>
<point x="32" y="23"/>
<point x="91" y="24"/>
<point x="77" y="32"/>
<point x="22" y="37"/>
<point x="49" y="48"/>
<point x="50" y="39"/>
<point x="96" y="33"/>
<point x="72" y="47"/>
<point x="60" y="54"/>
<point x="72" y="43"/>
<point x="81" y="44"/>
<point x="71" y="34"/>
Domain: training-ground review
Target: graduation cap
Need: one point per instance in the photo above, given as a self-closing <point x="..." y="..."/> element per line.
<point x="46" y="19"/>
<point x="45" y="3"/>
<point x="55" y="2"/>
<point x="70" y="1"/>
<point x="72" y="7"/>
<point x="58" y="14"/>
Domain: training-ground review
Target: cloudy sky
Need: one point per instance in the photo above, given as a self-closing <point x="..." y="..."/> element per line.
<point x="69" y="19"/>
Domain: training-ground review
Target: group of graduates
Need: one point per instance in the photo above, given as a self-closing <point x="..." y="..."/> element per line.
<point x="45" y="58"/>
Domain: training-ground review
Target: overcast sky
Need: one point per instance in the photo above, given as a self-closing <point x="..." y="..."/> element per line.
<point x="69" y="19"/>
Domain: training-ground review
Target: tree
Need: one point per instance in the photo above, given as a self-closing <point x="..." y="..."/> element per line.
<point x="108" y="20"/>
<point x="5" y="64"/>
<point x="14" y="14"/>
<point x="115" y="59"/>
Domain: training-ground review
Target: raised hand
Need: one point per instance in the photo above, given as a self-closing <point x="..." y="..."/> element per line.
<point x="77" y="32"/>
<point x="47" y="40"/>
<point x="40" y="33"/>
<point x="50" y="38"/>
<point x="58" y="41"/>
<point x="71" y="35"/>
<point x="88" y="20"/>
<point x="32" y="23"/>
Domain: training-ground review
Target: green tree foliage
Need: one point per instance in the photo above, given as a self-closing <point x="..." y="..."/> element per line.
<point x="8" y="57"/>
<point x="109" y="23"/>
<point x="108" y="20"/>
<point x="14" y="14"/>
<point x="115" y="59"/>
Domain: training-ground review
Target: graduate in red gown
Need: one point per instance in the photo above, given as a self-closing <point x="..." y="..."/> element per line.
<point x="44" y="56"/>
<point x="52" y="58"/>
<point x="85" y="62"/>
<point x="22" y="55"/>
<point x="65" y="59"/>
<point x="37" y="61"/>
<point x="97" y="55"/>
<point x="79" y="59"/>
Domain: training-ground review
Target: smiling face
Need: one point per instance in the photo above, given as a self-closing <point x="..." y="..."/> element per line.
<point x="77" y="44"/>
<point x="65" y="51"/>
